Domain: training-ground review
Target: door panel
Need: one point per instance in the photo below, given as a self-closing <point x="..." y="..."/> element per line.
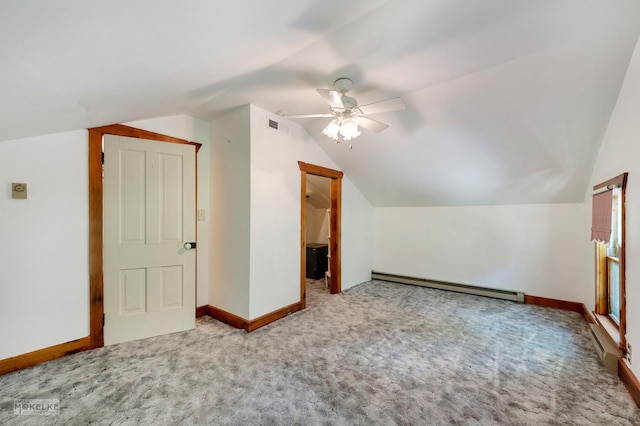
<point x="171" y="287"/>
<point x="132" y="293"/>
<point x="132" y="199"/>
<point x="149" y="212"/>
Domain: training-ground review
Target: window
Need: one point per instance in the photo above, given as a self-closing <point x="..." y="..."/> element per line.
<point x="608" y="224"/>
<point x="613" y="259"/>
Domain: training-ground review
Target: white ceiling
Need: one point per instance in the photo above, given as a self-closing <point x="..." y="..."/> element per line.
<point x="507" y="100"/>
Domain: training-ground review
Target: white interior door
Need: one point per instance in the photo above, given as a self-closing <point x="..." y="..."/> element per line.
<point x="149" y="214"/>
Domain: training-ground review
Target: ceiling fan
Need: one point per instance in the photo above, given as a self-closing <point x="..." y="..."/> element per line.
<point x="346" y="113"/>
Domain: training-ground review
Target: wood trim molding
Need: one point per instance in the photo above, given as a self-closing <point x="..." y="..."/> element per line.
<point x="335" y="225"/>
<point x="227" y="317"/>
<point x="320" y="171"/>
<point x="42" y="355"/>
<point x="96" y="294"/>
<point x="243" y="324"/>
<point x="272" y="316"/>
<point x="619" y="181"/>
<point x="622" y="265"/>
<point x="202" y="311"/>
<point x="303" y="238"/>
<point x="586" y="315"/>
<point x="630" y="380"/>
<point x="566" y="305"/>
<point x="132" y="132"/>
<point x="554" y="303"/>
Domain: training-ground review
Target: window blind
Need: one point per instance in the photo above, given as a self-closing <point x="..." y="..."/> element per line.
<point x="601" y="216"/>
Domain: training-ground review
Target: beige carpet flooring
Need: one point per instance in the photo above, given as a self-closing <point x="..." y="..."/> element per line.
<point x="378" y="354"/>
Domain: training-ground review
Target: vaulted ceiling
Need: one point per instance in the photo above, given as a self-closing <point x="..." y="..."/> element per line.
<point x="507" y="100"/>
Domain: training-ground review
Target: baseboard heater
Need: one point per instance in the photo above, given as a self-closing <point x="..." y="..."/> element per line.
<point x="606" y="350"/>
<point x="516" y="296"/>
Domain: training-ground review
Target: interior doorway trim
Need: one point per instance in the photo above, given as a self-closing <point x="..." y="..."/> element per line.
<point x="96" y="288"/>
<point x="335" y="227"/>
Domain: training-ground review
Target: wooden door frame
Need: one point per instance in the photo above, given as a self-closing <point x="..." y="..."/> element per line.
<point x="335" y="227"/>
<point x="96" y="285"/>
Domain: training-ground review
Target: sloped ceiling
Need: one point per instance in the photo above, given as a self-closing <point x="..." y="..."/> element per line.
<point x="319" y="191"/>
<point x="507" y="100"/>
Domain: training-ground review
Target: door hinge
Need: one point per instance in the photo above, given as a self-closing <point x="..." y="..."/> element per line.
<point x="103" y="319"/>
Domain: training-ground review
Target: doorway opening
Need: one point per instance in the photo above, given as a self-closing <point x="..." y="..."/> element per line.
<point x="318" y="237"/>
<point x="313" y="178"/>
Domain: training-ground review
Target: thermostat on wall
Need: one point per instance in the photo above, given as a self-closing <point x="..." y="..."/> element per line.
<point x="18" y="190"/>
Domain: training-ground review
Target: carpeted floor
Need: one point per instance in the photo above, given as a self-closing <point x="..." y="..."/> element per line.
<point x="378" y="354"/>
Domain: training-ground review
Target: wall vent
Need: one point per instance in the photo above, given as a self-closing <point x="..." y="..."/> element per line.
<point x="278" y="126"/>
<point x="272" y="124"/>
<point x="516" y="296"/>
<point x="607" y="351"/>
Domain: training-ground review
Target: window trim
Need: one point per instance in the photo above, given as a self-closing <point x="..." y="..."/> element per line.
<point x="602" y="291"/>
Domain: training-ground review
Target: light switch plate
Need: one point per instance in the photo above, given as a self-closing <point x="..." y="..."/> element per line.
<point x="19" y="190"/>
<point x="200" y="215"/>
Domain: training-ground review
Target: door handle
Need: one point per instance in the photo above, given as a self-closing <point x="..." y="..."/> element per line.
<point x="190" y="246"/>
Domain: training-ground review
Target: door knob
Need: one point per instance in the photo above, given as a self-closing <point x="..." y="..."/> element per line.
<point x="190" y="246"/>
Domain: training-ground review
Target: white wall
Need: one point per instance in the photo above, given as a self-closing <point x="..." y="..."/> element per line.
<point x="275" y="213"/>
<point x="322" y="226"/>
<point x="620" y="152"/>
<point x="194" y="130"/>
<point x="230" y="190"/>
<point x="311" y="223"/>
<point x="317" y="225"/>
<point x="536" y="248"/>
<point x="255" y="204"/>
<point x="357" y="236"/>
<point x="44" y="284"/>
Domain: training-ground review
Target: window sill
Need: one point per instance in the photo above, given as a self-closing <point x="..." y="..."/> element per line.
<point x="610" y="328"/>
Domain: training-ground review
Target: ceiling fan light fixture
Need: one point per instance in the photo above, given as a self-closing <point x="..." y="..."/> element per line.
<point x="332" y="130"/>
<point x="349" y="129"/>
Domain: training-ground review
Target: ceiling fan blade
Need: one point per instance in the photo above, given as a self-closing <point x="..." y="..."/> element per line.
<point x="307" y="115"/>
<point x="394" y="104"/>
<point x="370" y="124"/>
<point x="332" y="97"/>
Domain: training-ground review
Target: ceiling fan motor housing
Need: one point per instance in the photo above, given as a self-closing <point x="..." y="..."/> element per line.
<point x="349" y="103"/>
<point x="343" y="85"/>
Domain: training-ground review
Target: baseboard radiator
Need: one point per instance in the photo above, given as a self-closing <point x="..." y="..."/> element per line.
<point x="606" y="350"/>
<point x="516" y="296"/>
